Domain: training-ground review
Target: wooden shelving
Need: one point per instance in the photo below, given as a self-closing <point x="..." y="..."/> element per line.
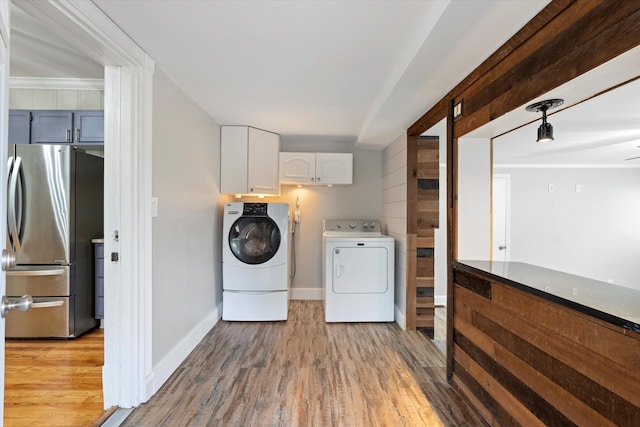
<point x="423" y="191"/>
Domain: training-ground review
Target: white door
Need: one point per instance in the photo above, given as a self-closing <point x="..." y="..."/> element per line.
<point x="500" y="217"/>
<point x="4" y="117"/>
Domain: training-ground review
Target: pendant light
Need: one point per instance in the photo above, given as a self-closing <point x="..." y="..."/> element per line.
<point x="545" y="131"/>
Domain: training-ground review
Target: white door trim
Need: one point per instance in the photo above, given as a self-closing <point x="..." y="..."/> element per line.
<point x="127" y="373"/>
<point x="4" y="139"/>
<point x="507" y="215"/>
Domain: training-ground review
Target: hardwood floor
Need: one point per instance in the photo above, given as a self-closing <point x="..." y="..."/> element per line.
<point x="305" y="372"/>
<point x="54" y="382"/>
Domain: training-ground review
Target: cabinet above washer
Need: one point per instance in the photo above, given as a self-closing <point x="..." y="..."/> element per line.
<point x="316" y="168"/>
<point x="249" y="161"/>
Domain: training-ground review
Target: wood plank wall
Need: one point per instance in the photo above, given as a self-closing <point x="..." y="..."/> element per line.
<point x="565" y="40"/>
<point x="524" y="360"/>
<point x="423" y="189"/>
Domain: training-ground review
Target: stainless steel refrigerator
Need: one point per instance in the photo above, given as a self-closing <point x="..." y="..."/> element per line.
<point x="55" y="208"/>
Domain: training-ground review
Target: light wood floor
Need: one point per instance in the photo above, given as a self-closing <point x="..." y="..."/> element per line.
<point x="54" y="382"/>
<point x="305" y="372"/>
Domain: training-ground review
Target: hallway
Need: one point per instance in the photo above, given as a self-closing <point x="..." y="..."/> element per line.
<point x="305" y="372"/>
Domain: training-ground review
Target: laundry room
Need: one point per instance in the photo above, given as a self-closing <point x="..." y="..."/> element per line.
<point x="316" y="202"/>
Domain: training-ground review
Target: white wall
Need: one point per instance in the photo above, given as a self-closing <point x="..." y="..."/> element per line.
<point x="594" y="233"/>
<point x="394" y="215"/>
<point x="474" y="198"/>
<point x="187" y="284"/>
<point x="360" y="200"/>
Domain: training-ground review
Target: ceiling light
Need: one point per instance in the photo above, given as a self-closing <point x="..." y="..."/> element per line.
<point x="545" y="131"/>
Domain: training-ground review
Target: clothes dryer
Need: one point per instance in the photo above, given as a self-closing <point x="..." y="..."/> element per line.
<point x="255" y="261"/>
<point x="358" y="272"/>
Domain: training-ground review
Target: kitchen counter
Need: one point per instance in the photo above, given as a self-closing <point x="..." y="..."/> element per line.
<point x="615" y="304"/>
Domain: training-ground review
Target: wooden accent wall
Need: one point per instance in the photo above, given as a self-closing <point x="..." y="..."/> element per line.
<point x="565" y="40"/>
<point x="524" y="360"/>
<point x="423" y="190"/>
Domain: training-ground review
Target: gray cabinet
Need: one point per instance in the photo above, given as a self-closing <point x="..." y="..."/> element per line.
<point x="98" y="248"/>
<point x="56" y="126"/>
<point x="19" y="126"/>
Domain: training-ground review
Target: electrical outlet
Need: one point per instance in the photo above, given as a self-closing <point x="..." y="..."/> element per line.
<point x="578" y="188"/>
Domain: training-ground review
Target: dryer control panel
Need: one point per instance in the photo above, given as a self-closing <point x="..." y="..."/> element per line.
<point x="346" y="226"/>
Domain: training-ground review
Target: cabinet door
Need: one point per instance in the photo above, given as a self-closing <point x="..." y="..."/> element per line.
<point x="334" y="168"/>
<point x="297" y="168"/>
<point x="88" y="126"/>
<point x="19" y="126"/>
<point x="262" y="174"/>
<point x="233" y="159"/>
<point x="51" y="127"/>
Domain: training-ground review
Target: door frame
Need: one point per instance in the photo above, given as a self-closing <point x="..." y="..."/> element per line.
<point x="127" y="372"/>
<point x="507" y="217"/>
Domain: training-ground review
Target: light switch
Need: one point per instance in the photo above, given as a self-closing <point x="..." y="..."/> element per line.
<point x="154" y="207"/>
<point x="551" y="188"/>
<point x="578" y="188"/>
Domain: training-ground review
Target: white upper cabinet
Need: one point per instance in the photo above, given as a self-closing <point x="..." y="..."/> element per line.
<point x="316" y="168"/>
<point x="249" y="161"/>
<point x="297" y="168"/>
<point x="334" y="168"/>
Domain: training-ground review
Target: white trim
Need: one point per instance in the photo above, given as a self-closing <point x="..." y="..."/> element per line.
<point x="181" y="350"/>
<point x="305" y="293"/>
<point x="127" y="373"/>
<point x="566" y="166"/>
<point x="440" y="300"/>
<point x="55" y="83"/>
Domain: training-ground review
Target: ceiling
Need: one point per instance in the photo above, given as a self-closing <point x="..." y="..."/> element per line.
<point x="358" y="71"/>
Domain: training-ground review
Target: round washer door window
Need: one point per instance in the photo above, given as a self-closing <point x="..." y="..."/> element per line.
<point x="254" y="240"/>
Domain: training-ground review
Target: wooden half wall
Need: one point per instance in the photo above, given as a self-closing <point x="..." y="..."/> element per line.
<point x="565" y="40"/>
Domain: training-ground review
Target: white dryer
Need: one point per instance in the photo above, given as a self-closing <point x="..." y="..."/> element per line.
<point x="358" y="272"/>
<point x="255" y="261"/>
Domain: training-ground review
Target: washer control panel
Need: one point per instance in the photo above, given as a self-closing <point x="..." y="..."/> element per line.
<point x="352" y="226"/>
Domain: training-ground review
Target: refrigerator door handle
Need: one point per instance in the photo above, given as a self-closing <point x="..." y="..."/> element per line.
<point x="14" y="165"/>
<point x="32" y="273"/>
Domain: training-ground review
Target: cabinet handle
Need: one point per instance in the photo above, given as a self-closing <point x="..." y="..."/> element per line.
<point x="78" y="134"/>
<point x="251" y="190"/>
<point x="318" y="179"/>
<point x="68" y="135"/>
<point x="313" y="179"/>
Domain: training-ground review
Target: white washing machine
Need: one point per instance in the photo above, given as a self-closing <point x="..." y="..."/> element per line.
<point x="255" y="261"/>
<point x="358" y="273"/>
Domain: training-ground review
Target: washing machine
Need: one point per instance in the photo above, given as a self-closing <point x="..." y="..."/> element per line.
<point x="358" y="272"/>
<point x="255" y="261"/>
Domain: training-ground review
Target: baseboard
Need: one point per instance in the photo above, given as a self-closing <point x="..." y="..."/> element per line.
<point x="440" y="300"/>
<point x="305" y="293"/>
<point x="401" y="319"/>
<point x="168" y="365"/>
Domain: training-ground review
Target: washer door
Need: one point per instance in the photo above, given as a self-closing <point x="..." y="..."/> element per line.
<point x="254" y="240"/>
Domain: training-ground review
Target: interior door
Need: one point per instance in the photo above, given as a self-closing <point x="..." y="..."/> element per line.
<point x="4" y="132"/>
<point x="500" y="217"/>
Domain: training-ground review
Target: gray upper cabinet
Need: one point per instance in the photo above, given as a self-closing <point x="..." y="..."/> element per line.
<point x="19" y="127"/>
<point x="57" y="126"/>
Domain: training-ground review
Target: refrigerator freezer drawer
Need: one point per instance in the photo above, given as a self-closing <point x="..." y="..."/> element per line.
<point x="38" y="281"/>
<point x="49" y="322"/>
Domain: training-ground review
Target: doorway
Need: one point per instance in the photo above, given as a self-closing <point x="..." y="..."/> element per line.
<point x="127" y="375"/>
<point x="500" y="217"/>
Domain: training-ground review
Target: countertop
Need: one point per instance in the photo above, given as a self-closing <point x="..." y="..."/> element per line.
<point x="612" y="303"/>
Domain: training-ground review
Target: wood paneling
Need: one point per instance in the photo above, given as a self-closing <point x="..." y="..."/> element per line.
<point x="423" y="212"/>
<point x="305" y="372"/>
<point x="558" y="364"/>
